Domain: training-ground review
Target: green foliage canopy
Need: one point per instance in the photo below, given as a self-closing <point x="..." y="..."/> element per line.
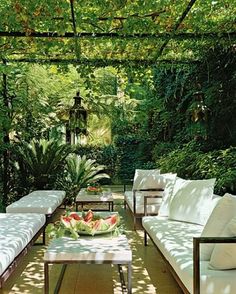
<point x="113" y="29"/>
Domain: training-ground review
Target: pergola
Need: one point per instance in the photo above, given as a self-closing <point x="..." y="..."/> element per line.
<point x="101" y="32"/>
<point x="113" y="32"/>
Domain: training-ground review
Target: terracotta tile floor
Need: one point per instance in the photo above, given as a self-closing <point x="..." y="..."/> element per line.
<point x="150" y="274"/>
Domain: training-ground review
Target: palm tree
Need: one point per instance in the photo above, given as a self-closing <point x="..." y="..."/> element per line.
<point x="81" y="171"/>
<point x="43" y="160"/>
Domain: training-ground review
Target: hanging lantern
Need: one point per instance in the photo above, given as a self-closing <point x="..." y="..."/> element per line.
<point x="199" y="109"/>
<point x="78" y="117"/>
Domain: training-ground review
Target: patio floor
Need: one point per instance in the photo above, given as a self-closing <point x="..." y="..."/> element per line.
<point x="150" y="274"/>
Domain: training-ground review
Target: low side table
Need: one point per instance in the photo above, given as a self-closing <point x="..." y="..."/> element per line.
<point x="86" y="198"/>
<point x="89" y="250"/>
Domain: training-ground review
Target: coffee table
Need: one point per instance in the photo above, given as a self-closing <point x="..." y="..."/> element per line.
<point x="90" y="250"/>
<point x="84" y="197"/>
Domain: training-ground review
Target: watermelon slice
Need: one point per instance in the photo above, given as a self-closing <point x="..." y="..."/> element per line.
<point x="75" y="216"/>
<point x="113" y="219"/>
<point x="89" y="216"/>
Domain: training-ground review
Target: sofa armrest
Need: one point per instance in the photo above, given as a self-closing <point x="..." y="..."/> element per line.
<point x="147" y="196"/>
<point x="146" y="199"/>
<point x="128" y="182"/>
<point x="196" y="256"/>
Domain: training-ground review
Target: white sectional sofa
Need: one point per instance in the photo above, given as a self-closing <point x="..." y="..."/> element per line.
<point x="188" y="219"/>
<point x="17" y="233"/>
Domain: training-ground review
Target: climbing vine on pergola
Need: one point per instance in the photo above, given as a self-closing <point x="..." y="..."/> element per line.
<point x="98" y="33"/>
<point x="107" y="32"/>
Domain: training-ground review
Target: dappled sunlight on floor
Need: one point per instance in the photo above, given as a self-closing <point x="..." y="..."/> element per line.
<point x="149" y="272"/>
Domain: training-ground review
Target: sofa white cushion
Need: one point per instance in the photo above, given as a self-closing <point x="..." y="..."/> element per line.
<point x="57" y="194"/>
<point x="146" y="179"/>
<point x="224" y="255"/>
<point x="16" y="231"/>
<point x="191" y="202"/>
<point x="174" y="239"/>
<point x="45" y="202"/>
<point x="221" y="215"/>
<point x="169" y="180"/>
<point x="165" y="207"/>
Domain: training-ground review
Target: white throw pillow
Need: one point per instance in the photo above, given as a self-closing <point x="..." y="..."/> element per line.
<point x="146" y="179"/>
<point x="170" y="180"/>
<point x="191" y="202"/>
<point x="223" y="212"/>
<point x="224" y="255"/>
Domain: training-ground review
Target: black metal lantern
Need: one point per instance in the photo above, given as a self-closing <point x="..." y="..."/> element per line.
<point x="78" y="118"/>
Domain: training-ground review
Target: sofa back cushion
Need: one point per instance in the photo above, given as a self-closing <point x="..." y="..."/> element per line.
<point x="170" y="181"/>
<point x="224" y="255"/>
<point x="221" y="215"/>
<point x="146" y="179"/>
<point x="191" y="201"/>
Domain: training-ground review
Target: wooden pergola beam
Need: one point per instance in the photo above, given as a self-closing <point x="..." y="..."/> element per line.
<point x="101" y="62"/>
<point x="206" y="35"/>
<point x="178" y="23"/>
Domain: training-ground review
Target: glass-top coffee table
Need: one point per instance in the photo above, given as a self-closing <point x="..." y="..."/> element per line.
<point x="90" y="250"/>
<point x="104" y="197"/>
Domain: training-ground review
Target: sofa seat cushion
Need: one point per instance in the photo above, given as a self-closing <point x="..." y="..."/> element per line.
<point x="152" y="207"/>
<point x="174" y="240"/>
<point x="57" y="194"/>
<point x="44" y="202"/>
<point x="16" y="231"/>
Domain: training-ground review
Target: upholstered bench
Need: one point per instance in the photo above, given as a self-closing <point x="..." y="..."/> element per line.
<point x="18" y="232"/>
<point x="40" y="201"/>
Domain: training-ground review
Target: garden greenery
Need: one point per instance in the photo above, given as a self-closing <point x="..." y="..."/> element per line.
<point x="159" y="89"/>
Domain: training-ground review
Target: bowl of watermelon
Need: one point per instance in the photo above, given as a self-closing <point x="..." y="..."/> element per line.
<point x="74" y="224"/>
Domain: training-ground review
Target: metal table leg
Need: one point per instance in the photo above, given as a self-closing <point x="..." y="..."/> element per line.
<point x="129" y="278"/>
<point x="46" y="280"/>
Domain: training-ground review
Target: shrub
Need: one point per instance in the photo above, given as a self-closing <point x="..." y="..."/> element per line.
<point x="42" y="160"/>
<point x="190" y="163"/>
<point x="79" y="172"/>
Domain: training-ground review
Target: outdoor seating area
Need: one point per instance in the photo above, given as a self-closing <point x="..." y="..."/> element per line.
<point x="29" y="275"/>
<point x="188" y="215"/>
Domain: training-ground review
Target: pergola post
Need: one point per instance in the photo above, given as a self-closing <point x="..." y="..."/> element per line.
<point x="6" y="141"/>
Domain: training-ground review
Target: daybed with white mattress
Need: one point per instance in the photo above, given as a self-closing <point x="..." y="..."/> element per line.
<point x="40" y="201"/>
<point x="18" y="232"/>
<point x="188" y="219"/>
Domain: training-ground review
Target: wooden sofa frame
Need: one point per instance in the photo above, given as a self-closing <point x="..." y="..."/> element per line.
<point x="196" y="256"/>
<point x="140" y="215"/>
